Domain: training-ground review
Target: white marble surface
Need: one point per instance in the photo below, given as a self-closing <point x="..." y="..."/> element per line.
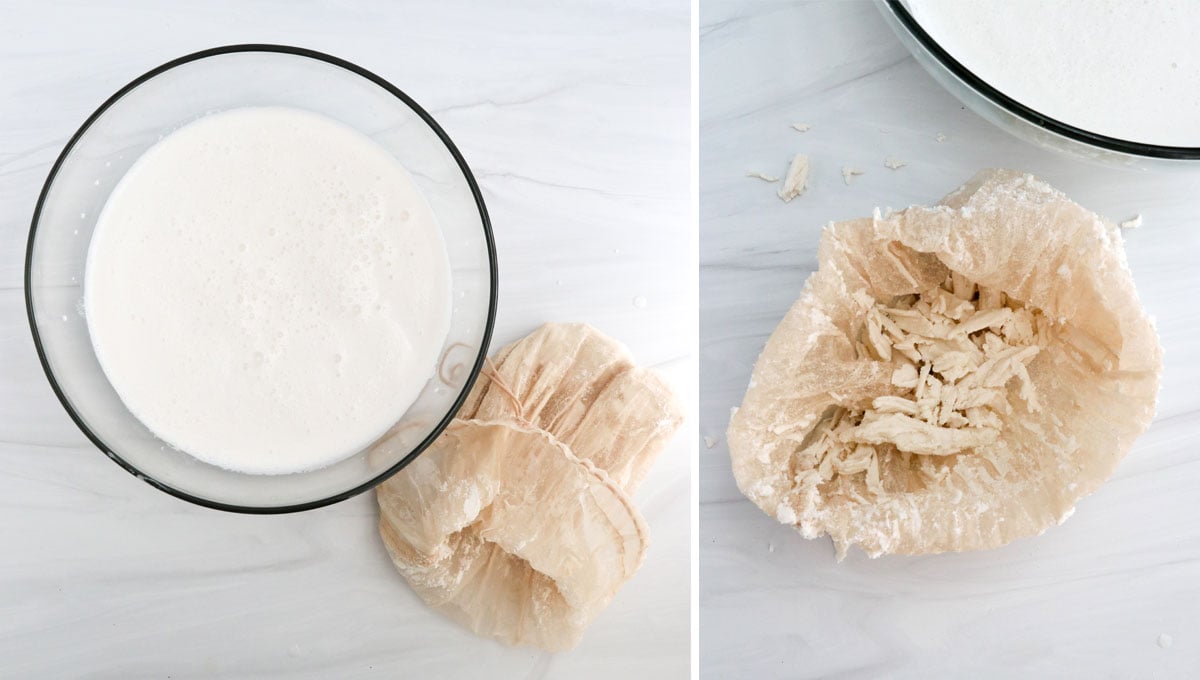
<point x="1088" y="599"/>
<point x="575" y="119"/>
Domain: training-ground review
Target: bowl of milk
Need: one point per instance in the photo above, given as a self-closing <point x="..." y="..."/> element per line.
<point x="1110" y="80"/>
<point x="261" y="278"/>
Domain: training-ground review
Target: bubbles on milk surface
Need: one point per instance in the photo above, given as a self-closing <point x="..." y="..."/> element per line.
<point x="307" y="318"/>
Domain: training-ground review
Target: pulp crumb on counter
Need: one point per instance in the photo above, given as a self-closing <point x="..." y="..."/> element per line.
<point x="893" y="163"/>
<point x="711" y="441"/>
<point x="801" y="127"/>
<point x="1165" y="641"/>
<point x="640" y="302"/>
<point x="796" y="180"/>
<point x="762" y="175"/>
<point x="1133" y="222"/>
<point x="940" y="138"/>
<point x="770" y="547"/>
<point x="848" y="173"/>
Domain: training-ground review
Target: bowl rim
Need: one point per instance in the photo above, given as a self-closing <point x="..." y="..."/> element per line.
<point x="428" y="120"/>
<point x="1026" y="113"/>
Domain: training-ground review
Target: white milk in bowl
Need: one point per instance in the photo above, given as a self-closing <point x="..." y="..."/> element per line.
<point x="267" y="290"/>
<point x="1118" y="68"/>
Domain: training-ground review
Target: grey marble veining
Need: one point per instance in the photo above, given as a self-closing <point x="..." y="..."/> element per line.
<point x="1087" y="599"/>
<point x="575" y="121"/>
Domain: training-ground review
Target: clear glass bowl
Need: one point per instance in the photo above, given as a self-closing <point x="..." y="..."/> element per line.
<point x="169" y="97"/>
<point x="1015" y="117"/>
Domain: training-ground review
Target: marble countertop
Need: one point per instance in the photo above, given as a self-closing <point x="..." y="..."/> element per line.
<point x="1087" y="599"/>
<point x="576" y="123"/>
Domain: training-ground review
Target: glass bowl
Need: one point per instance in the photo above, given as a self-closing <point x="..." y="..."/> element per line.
<point x="177" y="93"/>
<point x="1015" y="117"/>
